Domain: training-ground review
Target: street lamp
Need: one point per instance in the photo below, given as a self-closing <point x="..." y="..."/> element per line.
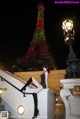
<point x="73" y="64"/>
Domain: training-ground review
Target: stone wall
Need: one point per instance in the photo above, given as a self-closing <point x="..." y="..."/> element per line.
<point x="53" y="79"/>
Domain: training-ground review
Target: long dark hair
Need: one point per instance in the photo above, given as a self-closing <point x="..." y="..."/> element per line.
<point x="47" y="67"/>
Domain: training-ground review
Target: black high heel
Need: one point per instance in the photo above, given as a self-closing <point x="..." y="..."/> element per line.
<point x="35" y="114"/>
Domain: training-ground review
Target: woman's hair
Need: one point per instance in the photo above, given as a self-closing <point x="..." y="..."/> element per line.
<point x="47" y="67"/>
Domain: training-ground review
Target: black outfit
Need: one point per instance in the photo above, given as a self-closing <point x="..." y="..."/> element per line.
<point x="27" y="83"/>
<point x="43" y="83"/>
<point x="36" y="111"/>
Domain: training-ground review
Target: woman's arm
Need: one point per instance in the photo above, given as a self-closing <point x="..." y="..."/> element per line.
<point x="46" y="77"/>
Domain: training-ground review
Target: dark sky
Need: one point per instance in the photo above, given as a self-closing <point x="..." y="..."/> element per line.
<point x="17" y="25"/>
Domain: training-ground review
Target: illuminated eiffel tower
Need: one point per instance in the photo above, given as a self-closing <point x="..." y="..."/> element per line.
<point x="38" y="54"/>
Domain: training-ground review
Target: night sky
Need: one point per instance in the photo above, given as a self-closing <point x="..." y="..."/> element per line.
<point x="17" y="25"/>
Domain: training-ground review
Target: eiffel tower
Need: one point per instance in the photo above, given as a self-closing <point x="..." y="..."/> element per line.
<point x="37" y="54"/>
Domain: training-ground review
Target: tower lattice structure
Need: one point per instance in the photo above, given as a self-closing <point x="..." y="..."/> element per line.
<point x="38" y="53"/>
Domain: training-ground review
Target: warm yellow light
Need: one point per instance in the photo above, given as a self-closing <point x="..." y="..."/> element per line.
<point x="67" y="38"/>
<point x="56" y="99"/>
<point x="67" y="25"/>
<point x="0" y="91"/>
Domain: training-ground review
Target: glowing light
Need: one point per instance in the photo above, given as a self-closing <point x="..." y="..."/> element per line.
<point x="0" y="91"/>
<point x="67" y="25"/>
<point x="20" y="109"/>
<point x="56" y="99"/>
<point x="67" y="38"/>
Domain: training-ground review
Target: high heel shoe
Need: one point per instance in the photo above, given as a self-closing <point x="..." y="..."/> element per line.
<point x="36" y="113"/>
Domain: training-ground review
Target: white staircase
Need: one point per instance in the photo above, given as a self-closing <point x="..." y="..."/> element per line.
<point x="13" y="98"/>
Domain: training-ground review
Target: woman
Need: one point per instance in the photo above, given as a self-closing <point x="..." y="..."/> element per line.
<point x="43" y="84"/>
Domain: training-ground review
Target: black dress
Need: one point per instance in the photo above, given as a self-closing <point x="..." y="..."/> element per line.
<point x="43" y="83"/>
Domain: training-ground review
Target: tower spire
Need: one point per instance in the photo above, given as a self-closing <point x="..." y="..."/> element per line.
<point x="39" y="30"/>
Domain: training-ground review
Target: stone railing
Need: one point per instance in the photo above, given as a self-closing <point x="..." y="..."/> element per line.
<point x="70" y="95"/>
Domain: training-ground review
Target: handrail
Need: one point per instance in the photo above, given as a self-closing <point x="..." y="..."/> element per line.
<point x="14" y="76"/>
<point x="3" y="79"/>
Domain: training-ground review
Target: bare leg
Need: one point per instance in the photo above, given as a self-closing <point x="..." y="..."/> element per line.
<point x="38" y="85"/>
